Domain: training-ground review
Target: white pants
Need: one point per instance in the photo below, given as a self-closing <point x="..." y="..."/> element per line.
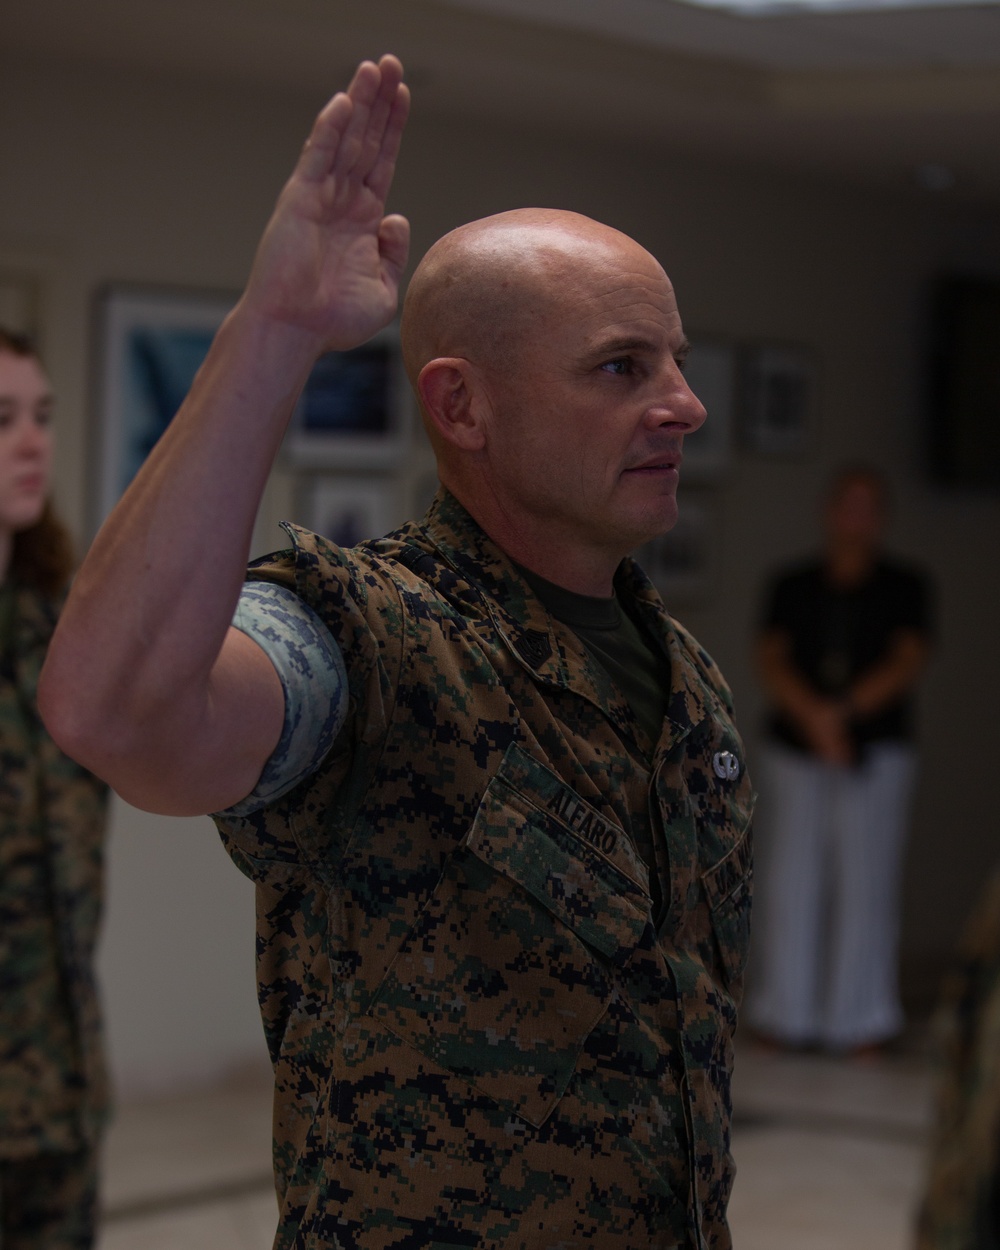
<point x="826" y="916"/>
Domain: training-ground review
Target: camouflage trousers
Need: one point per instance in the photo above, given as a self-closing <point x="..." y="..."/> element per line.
<point x="49" y="1201"/>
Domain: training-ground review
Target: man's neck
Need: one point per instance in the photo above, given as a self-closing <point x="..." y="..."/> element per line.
<point x="558" y="557"/>
<point x="573" y="609"/>
<point x="557" y="565"/>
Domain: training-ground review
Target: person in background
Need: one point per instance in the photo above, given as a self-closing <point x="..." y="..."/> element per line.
<point x="53" y="1090"/>
<point x="844" y="640"/>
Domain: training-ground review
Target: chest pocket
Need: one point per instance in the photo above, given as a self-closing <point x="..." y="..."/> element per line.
<point x="729" y="890"/>
<point x="722" y="801"/>
<point x="510" y="965"/>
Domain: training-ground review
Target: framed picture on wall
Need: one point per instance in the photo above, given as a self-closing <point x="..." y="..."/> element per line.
<point x="355" y="410"/>
<point x="20" y="303"/>
<point x="348" y="509"/>
<point x="778" y="396"/>
<point x="711" y="372"/>
<point x="151" y="342"/>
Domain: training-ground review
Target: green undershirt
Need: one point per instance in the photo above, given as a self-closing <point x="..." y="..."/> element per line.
<point x="635" y="664"/>
<point x="638" y="668"/>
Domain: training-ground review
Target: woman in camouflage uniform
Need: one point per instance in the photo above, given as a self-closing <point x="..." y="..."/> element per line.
<point x="52" y="1085"/>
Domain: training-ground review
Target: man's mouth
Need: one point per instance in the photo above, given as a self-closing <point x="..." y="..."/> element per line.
<point x="661" y="465"/>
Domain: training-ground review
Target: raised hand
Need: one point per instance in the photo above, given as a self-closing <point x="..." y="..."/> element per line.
<point x="145" y="681"/>
<point x="330" y="261"/>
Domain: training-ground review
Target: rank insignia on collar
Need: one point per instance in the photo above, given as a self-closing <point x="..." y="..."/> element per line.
<point x="533" y="647"/>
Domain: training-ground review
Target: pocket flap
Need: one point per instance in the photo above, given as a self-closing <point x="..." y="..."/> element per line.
<point x="557" y="847"/>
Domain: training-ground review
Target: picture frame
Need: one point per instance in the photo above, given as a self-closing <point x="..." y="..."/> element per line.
<point x="20" y="303"/>
<point x="681" y="562"/>
<point x="349" y="508"/>
<point x="778" y="391"/>
<point x="150" y="343"/>
<point x="355" y="411"/>
<point x="711" y="371"/>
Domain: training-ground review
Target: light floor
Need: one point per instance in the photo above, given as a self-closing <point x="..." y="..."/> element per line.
<point x="829" y="1155"/>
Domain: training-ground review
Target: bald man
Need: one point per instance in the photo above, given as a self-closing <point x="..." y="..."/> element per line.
<point x="489" y="790"/>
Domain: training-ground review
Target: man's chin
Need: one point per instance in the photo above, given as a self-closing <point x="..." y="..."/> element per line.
<point x="658" y="524"/>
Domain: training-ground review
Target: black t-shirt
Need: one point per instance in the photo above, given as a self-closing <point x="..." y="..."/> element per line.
<point x="838" y="634"/>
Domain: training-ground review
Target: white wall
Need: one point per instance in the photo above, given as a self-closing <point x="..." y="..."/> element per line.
<point x="111" y="178"/>
<point x="177" y="958"/>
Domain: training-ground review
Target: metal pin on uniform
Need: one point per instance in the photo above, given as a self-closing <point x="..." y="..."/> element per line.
<point x="726" y="765"/>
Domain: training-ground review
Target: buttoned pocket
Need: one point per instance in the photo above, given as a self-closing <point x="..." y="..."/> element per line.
<point x="721" y="801"/>
<point x="729" y="890"/>
<point x="510" y="965"/>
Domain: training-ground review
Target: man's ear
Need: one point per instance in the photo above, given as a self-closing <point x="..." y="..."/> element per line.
<point x="453" y="399"/>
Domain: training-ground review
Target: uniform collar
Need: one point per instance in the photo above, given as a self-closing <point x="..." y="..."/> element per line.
<point x="549" y="650"/>
<point x="693" y="695"/>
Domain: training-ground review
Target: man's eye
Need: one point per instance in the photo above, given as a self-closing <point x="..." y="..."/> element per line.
<point x="623" y="365"/>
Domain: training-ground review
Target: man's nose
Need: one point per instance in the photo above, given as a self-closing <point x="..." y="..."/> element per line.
<point x="679" y="406"/>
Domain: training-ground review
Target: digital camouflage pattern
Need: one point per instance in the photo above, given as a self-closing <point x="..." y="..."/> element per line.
<point x="53" y="1088"/>
<point x="479" y="1038"/>
<point x="49" y="1201"/>
<point x="961" y="1206"/>
<point x="278" y="621"/>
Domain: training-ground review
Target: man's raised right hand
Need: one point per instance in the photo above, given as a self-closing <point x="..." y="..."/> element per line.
<point x="330" y="262"/>
<point x="146" y="683"/>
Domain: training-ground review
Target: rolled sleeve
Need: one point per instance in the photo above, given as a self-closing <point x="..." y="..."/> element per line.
<point x="313" y="678"/>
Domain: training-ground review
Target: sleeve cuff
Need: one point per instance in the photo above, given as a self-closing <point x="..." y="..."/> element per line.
<point x="313" y="678"/>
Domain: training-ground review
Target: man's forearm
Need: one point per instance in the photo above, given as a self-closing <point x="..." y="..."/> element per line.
<point x="821" y="721"/>
<point x="145" y="682"/>
<point x="152" y="603"/>
<point x="789" y="692"/>
<point x="892" y="677"/>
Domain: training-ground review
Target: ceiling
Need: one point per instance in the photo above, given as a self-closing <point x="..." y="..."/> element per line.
<point x="904" y="98"/>
<point x="957" y="36"/>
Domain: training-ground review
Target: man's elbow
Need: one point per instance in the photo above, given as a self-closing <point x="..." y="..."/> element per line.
<point x="68" y="716"/>
<point x="106" y="743"/>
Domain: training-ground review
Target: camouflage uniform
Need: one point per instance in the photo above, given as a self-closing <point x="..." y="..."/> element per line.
<point x="53" y="1088"/>
<point x="479" y="1037"/>
<point x="961" y="1206"/>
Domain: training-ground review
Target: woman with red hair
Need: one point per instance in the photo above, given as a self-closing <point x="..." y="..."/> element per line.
<point x="53" y="1097"/>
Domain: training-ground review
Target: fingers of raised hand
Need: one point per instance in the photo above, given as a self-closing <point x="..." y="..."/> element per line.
<point x="383" y="164"/>
<point x="324" y="142"/>
<point x="381" y="103"/>
<point x="394" y="246"/>
<point x="356" y="137"/>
